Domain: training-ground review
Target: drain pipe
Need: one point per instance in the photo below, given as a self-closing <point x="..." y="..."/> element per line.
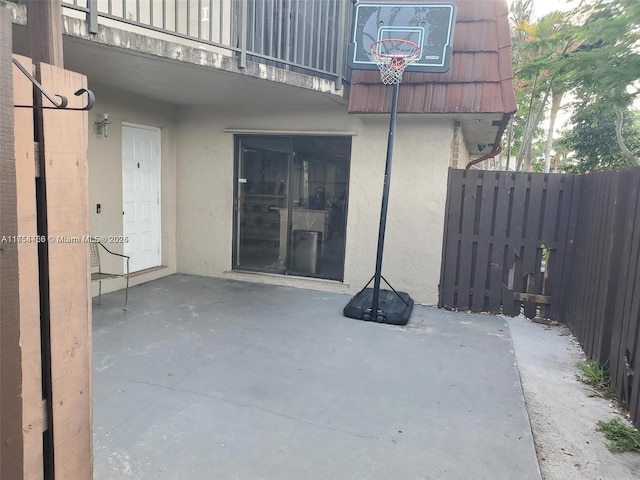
<point x="497" y="145"/>
<point x="493" y="153"/>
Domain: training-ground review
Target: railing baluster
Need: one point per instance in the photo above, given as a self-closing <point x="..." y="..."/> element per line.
<point x="287" y="36"/>
<point x="294" y="33"/>
<point x="175" y="15"/>
<point x="303" y="47"/>
<point x="92" y="16"/>
<point x="308" y="35"/>
<point x="199" y="18"/>
<point x="188" y="30"/>
<point x="211" y="21"/>
<point x="326" y="34"/>
<point x="340" y="43"/>
<point x="278" y="25"/>
<point x="270" y="20"/>
<point x="243" y="32"/>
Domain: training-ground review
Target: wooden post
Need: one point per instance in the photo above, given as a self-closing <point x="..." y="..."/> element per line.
<point x="62" y="191"/>
<point x="11" y="447"/>
<point x="30" y="342"/>
<point x="44" y="25"/>
<point x="44" y="21"/>
<point x="65" y="171"/>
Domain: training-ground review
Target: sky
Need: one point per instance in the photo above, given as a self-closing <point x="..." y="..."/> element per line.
<point x="542" y="7"/>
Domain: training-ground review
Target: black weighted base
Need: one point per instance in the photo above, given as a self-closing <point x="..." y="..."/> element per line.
<point x="393" y="308"/>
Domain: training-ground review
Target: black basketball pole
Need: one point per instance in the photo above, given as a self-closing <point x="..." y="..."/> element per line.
<point x="385" y="200"/>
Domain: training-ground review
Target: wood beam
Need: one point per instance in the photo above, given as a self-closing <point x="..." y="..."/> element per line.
<point x="44" y="23"/>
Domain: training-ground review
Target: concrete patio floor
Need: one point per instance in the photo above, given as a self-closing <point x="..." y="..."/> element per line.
<point x="209" y="379"/>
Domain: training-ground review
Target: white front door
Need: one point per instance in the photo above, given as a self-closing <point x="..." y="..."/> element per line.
<point x="141" y="195"/>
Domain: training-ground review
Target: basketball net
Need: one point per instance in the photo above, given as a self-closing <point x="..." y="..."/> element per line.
<point x="392" y="57"/>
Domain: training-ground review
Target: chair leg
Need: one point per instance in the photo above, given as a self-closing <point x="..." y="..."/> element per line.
<point x="99" y="292"/>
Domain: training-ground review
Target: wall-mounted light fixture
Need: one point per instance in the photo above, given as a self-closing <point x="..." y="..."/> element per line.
<point x="102" y="127"/>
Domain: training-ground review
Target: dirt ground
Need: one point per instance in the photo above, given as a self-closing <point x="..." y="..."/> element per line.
<point x="563" y="411"/>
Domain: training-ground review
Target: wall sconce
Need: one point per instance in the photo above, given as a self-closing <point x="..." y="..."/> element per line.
<point x="102" y="127"/>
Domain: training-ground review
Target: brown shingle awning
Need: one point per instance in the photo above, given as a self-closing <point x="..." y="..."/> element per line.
<point x="480" y="79"/>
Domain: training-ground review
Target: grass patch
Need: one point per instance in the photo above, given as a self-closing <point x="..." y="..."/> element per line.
<point x="622" y="438"/>
<point x="594" y="374"/>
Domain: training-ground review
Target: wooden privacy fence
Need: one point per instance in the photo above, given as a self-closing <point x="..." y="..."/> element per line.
<point x="565" y="247"/>
<point x="602" y="307"/>
<point x="505" y="241"/>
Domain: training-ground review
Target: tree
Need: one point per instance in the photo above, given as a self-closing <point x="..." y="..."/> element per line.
<point x="606" y="68"/>
<point x="590" y="138"/>
<point x="541" y="70"/>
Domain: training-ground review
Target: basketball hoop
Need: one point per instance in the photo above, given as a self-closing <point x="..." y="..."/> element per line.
<point x="392" y="57"/>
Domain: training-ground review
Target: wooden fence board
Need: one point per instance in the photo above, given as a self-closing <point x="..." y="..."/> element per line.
<point x="484" y="242"/>
<point x="610" y="273"/>
<point x="32" y="417"/>
<point x="515" y="231"/>
<point x="532" y="256"/>
<point x="559" y="280"/>
<point x="467" y="241"/>
<point x="66" y="178"/>
<point x="11" y="443"/>
<point x="547" y="237"/>
<point x="590" y="260"/>
<point x="499" y="246"/>
<point x="450" y="249"/>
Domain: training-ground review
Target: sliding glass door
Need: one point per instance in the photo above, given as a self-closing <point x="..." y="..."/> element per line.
<point x="291" y="204"/>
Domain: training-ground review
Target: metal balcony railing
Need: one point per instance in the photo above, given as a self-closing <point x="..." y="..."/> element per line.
<point x="308" y="36"/>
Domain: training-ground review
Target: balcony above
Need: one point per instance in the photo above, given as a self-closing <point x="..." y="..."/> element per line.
<point x="207" y="51"/>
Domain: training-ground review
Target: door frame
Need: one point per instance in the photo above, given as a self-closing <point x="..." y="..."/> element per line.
<point x="235" y="234"/>
<point x="158" y="132"/>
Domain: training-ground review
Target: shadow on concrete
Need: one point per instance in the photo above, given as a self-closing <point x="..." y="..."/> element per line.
<point x="207" y="379"/>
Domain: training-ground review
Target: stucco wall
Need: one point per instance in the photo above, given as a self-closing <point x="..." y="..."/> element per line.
<point x="415" y="220"/>
<point x="416" y="211"/>
<point x="105" y="174"/>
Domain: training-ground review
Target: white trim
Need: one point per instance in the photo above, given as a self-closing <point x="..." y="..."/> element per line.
<point x="143" y="127"/>
<point x="331" y="133"/>
<point x="158" y="132"/>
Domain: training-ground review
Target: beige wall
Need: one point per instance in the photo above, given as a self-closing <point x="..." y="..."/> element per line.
<point x="415" y="220"/>
<point x="105" y="173"/>
<point x="416" y="212"/>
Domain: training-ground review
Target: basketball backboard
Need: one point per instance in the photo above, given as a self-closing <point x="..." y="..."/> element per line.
<point x="429" y="25"/>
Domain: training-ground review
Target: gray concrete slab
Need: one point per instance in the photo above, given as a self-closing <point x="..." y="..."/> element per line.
<point x="213" y="379"/>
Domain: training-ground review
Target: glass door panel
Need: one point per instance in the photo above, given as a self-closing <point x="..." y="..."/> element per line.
<point x="319" y="189"/>
<point x="261" y="203"/>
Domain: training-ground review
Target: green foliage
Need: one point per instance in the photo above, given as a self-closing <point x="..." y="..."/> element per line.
<point x="607" y="62"/>
<point x="592" y="138"/>
<point x="593" y="53"/>
<point x="622" y="438"/>
<point x="594" y="374"/>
